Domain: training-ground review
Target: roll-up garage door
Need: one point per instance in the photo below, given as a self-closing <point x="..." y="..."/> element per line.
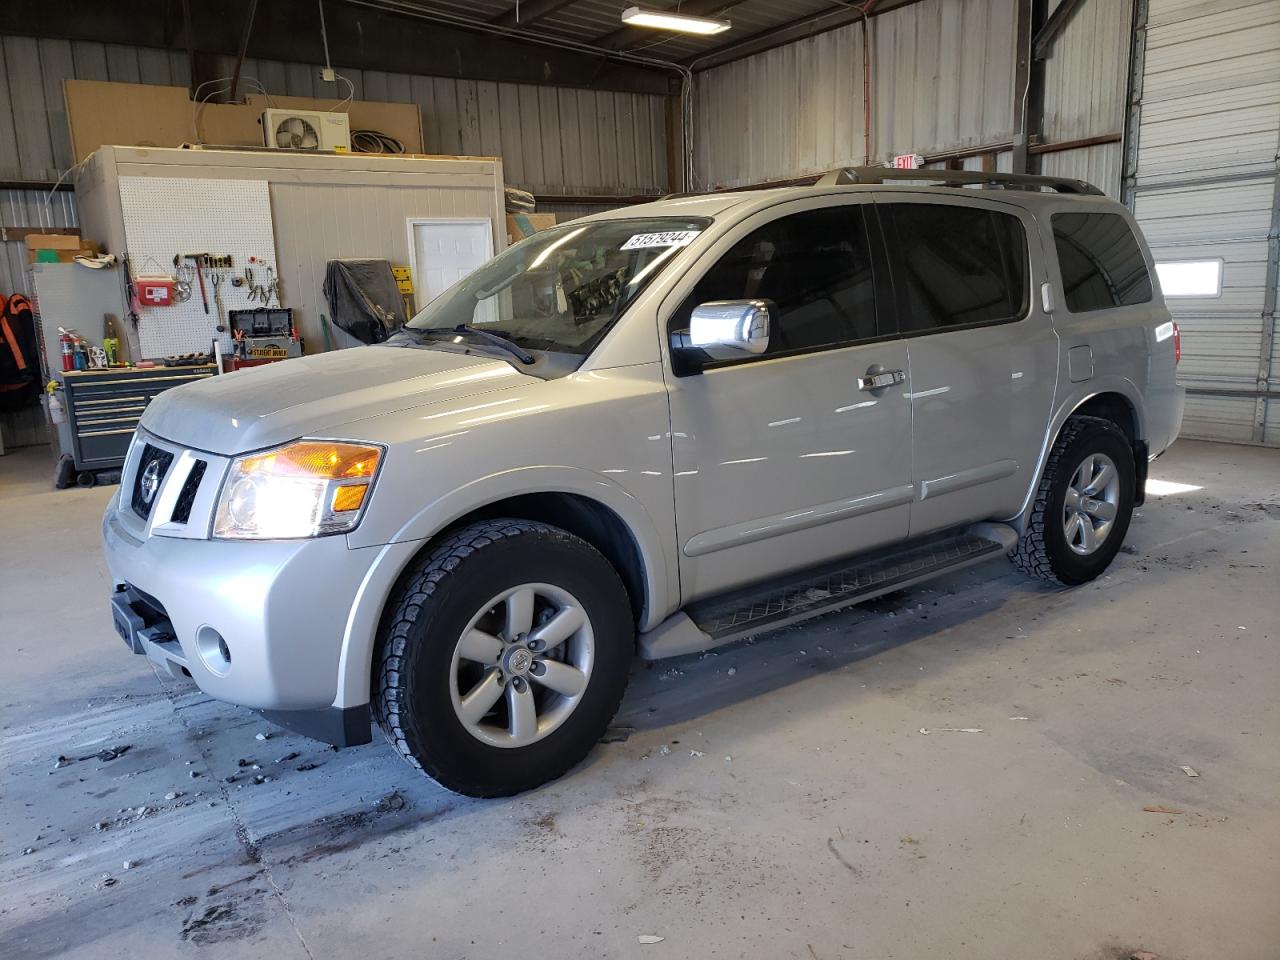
<point x="1206" y="190"/>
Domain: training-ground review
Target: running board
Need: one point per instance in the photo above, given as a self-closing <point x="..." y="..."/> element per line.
<point x="778" y="603"/>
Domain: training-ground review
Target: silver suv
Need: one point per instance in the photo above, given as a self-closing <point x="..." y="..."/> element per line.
<point x="660" y="429"/>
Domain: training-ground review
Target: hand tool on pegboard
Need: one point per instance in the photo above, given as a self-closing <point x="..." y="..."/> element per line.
<point x="273" y="287"/>
<point x="199" y="258"/>
<point x="133" y="305"/>
<point x="216" y="277"/>
<point x="184" y="275"/>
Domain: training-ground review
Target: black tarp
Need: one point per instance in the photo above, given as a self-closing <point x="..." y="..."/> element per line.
<point x="363" y="298"/>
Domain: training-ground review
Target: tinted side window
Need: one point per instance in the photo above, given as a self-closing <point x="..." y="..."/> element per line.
<point x="958" y="265"/>
<point x="815" y="266"/>
<point x="1101" y="262"/>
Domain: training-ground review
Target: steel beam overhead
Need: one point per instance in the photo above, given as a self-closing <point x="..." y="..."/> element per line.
<point x="800" y="29"/>
<point x="364" y="35"/>
<point x="523" y="14"/>
<point x="1042" y="43"/>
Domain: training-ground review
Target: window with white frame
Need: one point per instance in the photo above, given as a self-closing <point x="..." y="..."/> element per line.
<point x="1190" y="278"/>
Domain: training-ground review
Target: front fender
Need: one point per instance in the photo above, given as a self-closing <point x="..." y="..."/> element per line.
<point x="360" y="635"/>
<point x="661" y="587"/>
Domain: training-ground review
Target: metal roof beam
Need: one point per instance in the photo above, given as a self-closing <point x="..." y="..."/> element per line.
<point x="363" y="34"/>
<point x="800" y="29"/>
<point x="523" y="14"/>
<point x="1042" y="44"/>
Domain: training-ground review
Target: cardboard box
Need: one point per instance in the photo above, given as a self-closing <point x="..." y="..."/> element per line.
<point x="57" y="247"/>
<point x="521" y="225"/>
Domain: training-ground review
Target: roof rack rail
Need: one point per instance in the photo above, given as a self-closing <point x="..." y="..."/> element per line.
<point x="957" y="178"/>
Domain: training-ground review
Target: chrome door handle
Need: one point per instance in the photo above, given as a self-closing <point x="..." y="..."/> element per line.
<point x="878" y="381"/>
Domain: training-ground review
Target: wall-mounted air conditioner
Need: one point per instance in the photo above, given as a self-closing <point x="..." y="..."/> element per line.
<point x="306" y="130"/>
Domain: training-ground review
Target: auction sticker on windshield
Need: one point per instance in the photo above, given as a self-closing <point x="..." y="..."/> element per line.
<point x="669" y="238"/>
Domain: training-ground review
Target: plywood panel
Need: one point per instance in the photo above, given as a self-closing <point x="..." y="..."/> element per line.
<point x="163" y="116"/>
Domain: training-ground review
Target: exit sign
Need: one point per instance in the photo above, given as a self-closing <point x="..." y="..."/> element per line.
<point x="908" y="161"/>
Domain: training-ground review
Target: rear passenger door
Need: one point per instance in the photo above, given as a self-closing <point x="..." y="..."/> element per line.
<point x="983" y="353"/>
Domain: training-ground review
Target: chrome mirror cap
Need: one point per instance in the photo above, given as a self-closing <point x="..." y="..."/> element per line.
<point x="727" y="328"/>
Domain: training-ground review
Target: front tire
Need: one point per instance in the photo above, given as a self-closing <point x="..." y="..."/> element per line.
<point x="1083" y="505"/>
<point x="502" y="657"/>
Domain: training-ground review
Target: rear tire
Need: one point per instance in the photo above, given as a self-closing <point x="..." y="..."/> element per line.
<point x="1083" y="504"/>
<point x="502" y="657"/>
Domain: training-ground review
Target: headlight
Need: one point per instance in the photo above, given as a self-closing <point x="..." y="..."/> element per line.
<point x="303" y="489"/>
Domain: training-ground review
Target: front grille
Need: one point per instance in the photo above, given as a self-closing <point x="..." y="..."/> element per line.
<point x="187" y="496"/>
<point x="148" y="476"/>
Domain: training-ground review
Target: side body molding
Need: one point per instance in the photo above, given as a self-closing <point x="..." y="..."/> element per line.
<point x="761" y="529"/>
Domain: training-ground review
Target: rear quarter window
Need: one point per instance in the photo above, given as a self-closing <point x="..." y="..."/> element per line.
<point x="1101" y="262"/>
<point x="957" y="266"/>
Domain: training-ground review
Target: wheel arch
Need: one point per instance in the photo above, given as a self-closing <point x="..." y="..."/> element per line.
<point x="582" y="516"/>
<point x="629" y="541"/>
<point x="1118" y="401"/>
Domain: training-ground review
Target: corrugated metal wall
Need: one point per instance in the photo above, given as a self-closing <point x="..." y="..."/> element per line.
<point x="28" y="208"/>
<point x="1206" y="186"/>
<point x="1084" y="88"/>
<point x="942" y="79"/>
<point x="551" y="140"/>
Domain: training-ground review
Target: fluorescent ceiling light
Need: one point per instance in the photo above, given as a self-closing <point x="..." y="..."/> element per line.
<point x="664" y="20"/>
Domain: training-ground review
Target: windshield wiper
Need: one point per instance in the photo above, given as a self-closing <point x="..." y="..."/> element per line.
<point x="497" y="339"/>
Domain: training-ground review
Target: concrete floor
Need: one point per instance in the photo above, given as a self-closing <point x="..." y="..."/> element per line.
<point x="778" y="799"/>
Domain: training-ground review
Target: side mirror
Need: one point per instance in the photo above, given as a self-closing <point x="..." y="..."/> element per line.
<point x="730" y="328"/>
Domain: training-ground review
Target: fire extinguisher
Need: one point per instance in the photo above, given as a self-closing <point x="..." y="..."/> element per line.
<point x="67" y="346"/>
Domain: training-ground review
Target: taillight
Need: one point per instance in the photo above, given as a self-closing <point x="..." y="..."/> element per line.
<point x="1177" y="344"/>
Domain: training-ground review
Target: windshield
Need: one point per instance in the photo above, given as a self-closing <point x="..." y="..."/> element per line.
<point x="561" y="289"/>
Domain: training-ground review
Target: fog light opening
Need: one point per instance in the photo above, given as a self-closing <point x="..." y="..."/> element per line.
<point x="213" y="650"/>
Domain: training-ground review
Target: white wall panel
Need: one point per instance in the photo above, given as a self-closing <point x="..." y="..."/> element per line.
<point x="1086" y="73"/>
<point x="1099" y="165"/>
<point x="1084" y="87"/>
<point x="942" y="79"/>
<point x="1207" y="186"/>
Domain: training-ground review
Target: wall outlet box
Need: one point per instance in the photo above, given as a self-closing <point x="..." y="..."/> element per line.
<point x="328" y="74"/>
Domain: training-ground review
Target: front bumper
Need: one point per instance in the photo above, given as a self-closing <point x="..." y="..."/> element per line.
<point x="261" y="624"/>
<point x="146" y="629"/>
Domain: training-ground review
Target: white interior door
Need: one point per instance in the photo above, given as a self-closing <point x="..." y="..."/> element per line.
<point x="445" y="251"/>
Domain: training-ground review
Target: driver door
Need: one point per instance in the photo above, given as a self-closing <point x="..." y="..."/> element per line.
<point x="783" y="460"/>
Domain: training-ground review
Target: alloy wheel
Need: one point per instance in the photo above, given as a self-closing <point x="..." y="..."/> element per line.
<point x="1091" y="504"/>
<point x="522" y="665"/>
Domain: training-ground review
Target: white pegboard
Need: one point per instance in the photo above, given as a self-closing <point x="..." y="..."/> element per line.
<point x="164" y="216"/>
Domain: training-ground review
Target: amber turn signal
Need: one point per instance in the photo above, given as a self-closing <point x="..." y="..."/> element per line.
<point x="349" y="498"/>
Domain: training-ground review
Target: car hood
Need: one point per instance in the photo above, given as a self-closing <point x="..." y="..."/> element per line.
<point x="309" y="396"/>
